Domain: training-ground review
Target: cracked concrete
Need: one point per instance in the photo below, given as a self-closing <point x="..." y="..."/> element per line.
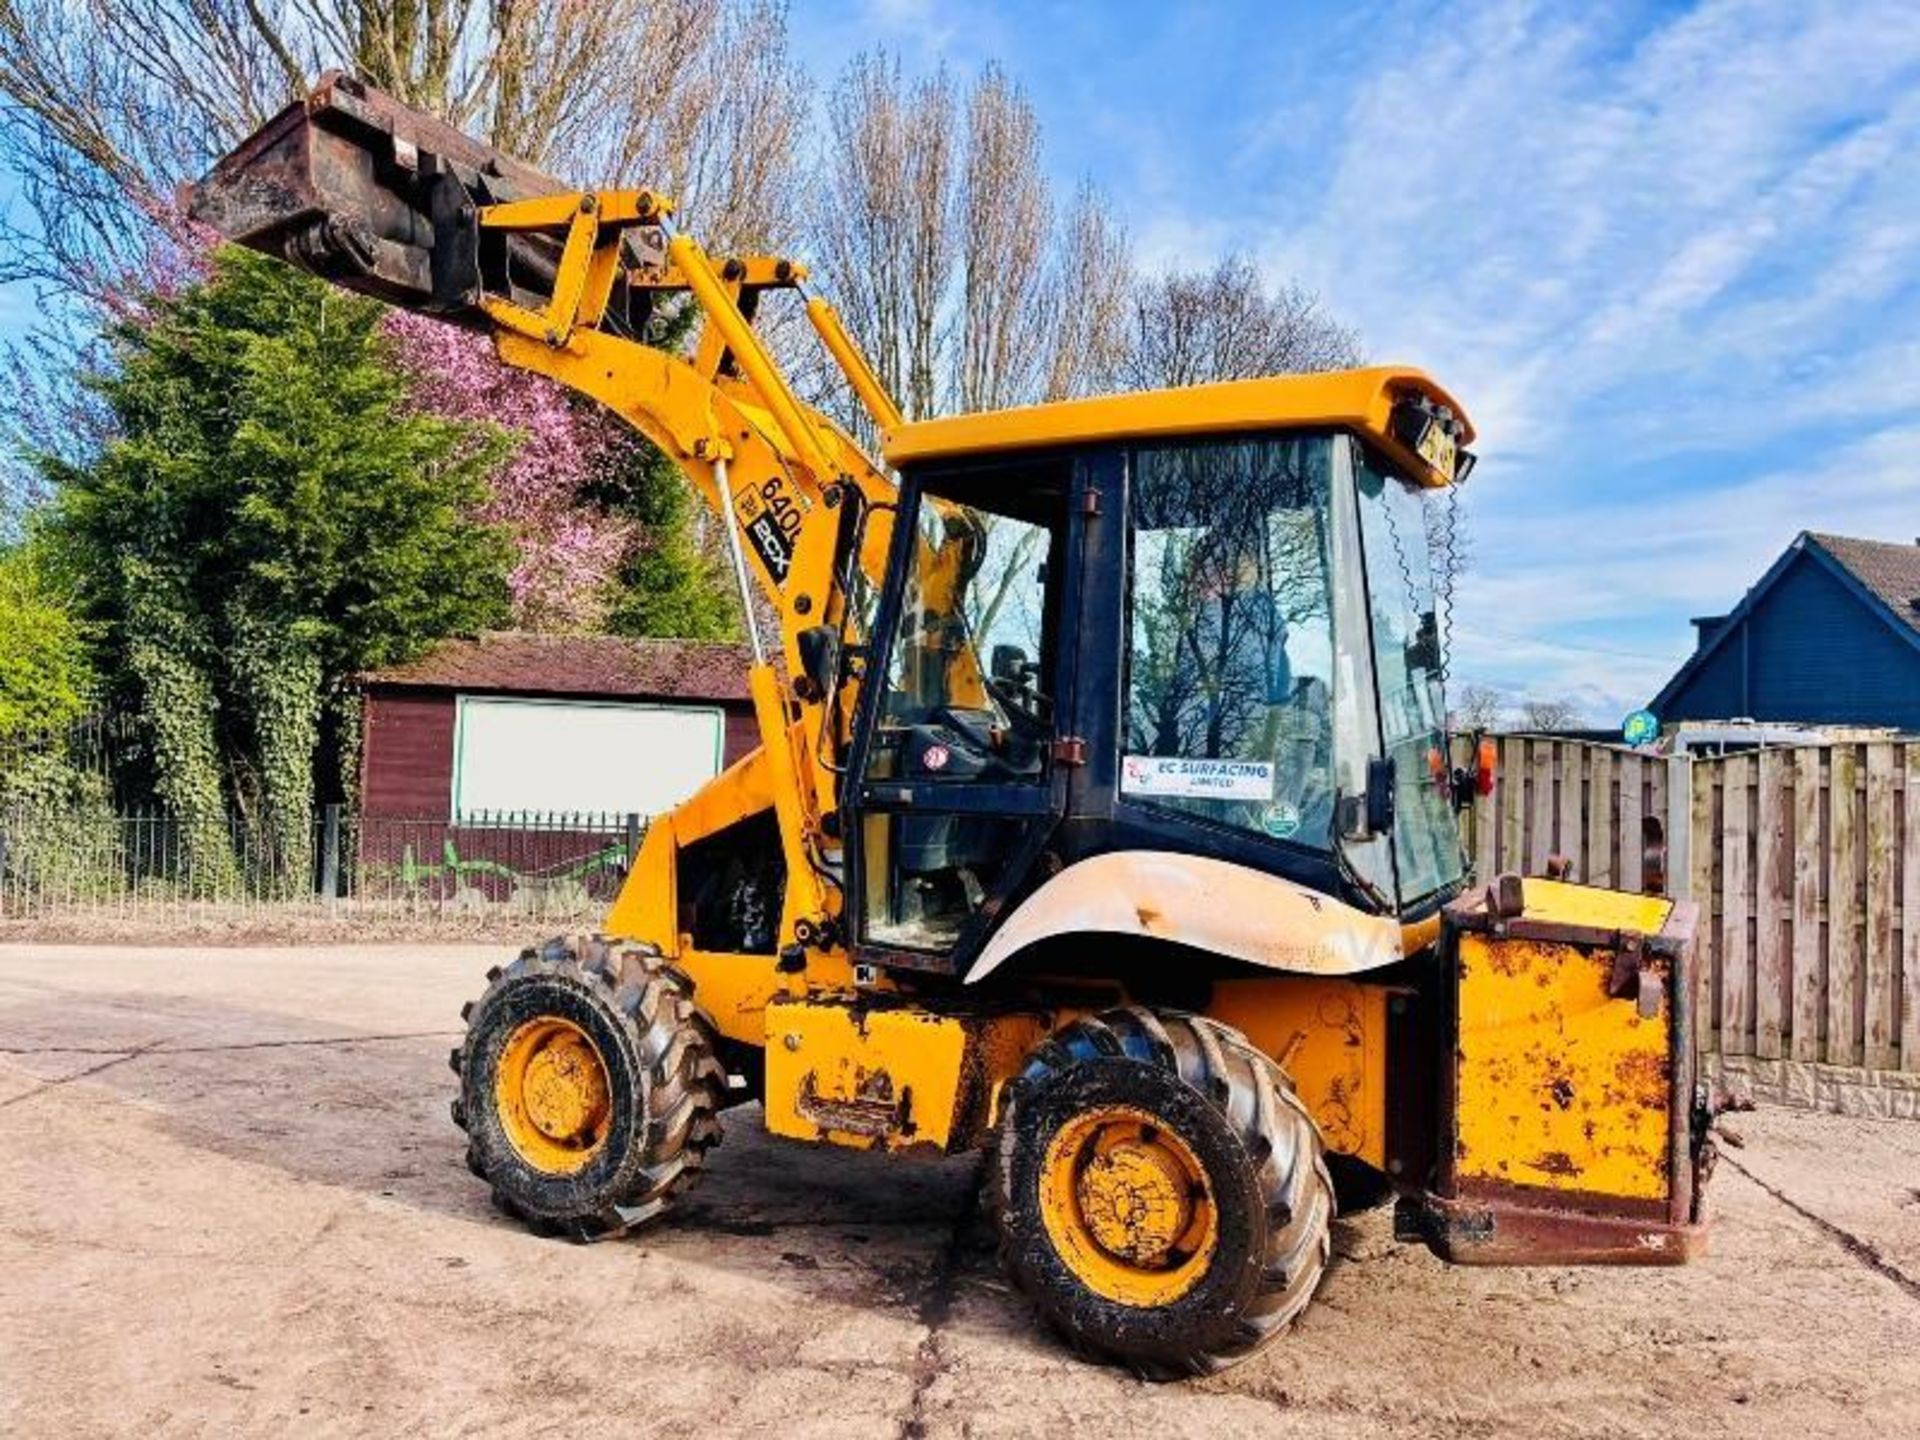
<point x="235" y="1205"/>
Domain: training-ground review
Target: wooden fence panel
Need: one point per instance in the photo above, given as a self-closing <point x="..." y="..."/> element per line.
<point x="1804" y="864"/>
<point x="1599" y="868"/>
<point x="1809" y="990"/>
<point x="1569" y="814"/>
<point x="1910" y="916"/>
<point x="1540" y="810"/>
<point x="1846" y="960"/>
<point x="1512" y="788"/>
<point x="1736" y="908"/>
<point x="1882" y="1014"/>
<point x="1627" y="848"/>
<point x="1773" y="904"/>
<point x="1702" y="814"/>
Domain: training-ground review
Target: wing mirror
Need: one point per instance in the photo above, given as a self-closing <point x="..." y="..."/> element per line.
<point x="1364" y="816"/>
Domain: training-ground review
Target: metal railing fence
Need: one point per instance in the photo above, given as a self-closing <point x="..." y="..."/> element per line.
<point x="153" y="864"/>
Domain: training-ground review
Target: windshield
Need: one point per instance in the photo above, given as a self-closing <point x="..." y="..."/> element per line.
<point x="1406" y="662"/>
<point x="1230" y="667"/>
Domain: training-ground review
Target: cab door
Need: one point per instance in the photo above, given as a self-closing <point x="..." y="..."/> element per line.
<point x="957" y="777"/>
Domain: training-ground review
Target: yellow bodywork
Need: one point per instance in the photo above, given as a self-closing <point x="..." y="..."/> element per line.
<point x="1560" y="1085"/>
<point x="1361" y="400"/>
<point x="943" y="1070"/>
<point x="876" y="1073"/>
<point x="1330" y="1036"/>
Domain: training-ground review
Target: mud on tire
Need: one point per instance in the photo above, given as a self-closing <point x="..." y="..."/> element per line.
<point x="662" y="1081"/>
<point x="1234" y="1112"/>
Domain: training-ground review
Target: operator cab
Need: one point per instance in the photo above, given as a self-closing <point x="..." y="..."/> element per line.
<point x="1223" y="644"/>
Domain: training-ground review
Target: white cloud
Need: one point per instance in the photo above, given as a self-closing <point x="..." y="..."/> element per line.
<point x="1647" y="261"/>
<point x="1587" y="569"/>
<point x="1531" y="199"/>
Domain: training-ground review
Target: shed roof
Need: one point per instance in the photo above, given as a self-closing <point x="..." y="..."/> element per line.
<point x="516" y="662"/>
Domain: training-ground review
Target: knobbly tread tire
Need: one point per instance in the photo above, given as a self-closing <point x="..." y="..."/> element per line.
<point x="1277" y="1193"/>
<point x="667" y="1085"/>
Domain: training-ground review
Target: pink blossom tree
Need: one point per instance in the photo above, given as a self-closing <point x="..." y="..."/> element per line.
<point x="569" y="550"/>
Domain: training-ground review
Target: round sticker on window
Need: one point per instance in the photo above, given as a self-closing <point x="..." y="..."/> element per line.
<point x="1280" y="820"/>
<point x="935" y="757"/>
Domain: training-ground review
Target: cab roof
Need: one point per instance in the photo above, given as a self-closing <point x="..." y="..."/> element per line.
<point x="1360" y="399"/>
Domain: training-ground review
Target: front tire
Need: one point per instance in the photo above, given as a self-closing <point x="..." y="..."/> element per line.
<point x="588" y="1088"/>
<point x="1160" y="1192"/>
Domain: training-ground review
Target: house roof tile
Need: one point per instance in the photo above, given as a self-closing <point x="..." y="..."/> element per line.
<point x="1890" y="571"/>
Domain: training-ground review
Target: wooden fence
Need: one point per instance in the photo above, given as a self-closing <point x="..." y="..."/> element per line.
<point x="1804" y="862"/>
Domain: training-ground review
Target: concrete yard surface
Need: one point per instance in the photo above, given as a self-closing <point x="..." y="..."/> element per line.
<point x="235" y="1203"/>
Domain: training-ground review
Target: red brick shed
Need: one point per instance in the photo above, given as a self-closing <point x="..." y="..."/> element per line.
<point x="515" y="722"/>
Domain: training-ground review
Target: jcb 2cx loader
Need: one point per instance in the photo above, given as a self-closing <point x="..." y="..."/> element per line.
<point x="1102" y="814"/>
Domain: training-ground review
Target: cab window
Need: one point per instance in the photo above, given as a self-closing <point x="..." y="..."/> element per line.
<point x="966" y="696"/>
<point x="1230" y="654"/>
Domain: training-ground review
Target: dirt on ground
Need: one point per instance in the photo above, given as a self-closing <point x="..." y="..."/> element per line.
<point x="235" y="1204"/>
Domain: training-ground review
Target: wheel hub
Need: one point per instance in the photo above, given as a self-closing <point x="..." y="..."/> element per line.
<point x="1127" y="1205"/>
<point x="552" y="1094"/>
<point x="1136" y="1202"/>
<point x="566" y="1091"/>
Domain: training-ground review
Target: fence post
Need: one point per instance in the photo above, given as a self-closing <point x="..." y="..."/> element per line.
<point x="633" y="837"/>
<point x="330" y="858"/>
<point x="1680" y="827"/>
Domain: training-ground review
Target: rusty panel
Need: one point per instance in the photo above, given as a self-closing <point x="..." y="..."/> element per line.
<point x="1561" y="1086"/>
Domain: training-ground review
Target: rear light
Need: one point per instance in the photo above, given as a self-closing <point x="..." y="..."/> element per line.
<point x="1488" y="760"/>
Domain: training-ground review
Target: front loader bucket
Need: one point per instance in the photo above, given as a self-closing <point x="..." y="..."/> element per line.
<point x="377" y="197"/>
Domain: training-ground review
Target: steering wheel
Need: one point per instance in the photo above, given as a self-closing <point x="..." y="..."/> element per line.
<point x="1026" y="710"/>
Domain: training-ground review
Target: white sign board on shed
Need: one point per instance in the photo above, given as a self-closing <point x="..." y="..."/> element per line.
<point x="567" y="756"/>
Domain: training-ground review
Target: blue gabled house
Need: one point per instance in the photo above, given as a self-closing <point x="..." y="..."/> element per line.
<point x="1829" y="636"/>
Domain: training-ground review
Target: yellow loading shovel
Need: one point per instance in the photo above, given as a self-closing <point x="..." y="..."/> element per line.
<point x="1573" y="1129"/>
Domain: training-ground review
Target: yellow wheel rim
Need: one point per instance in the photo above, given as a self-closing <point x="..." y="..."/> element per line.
<point x="552" y="1094"/>
<point x="1127" y="1206"/>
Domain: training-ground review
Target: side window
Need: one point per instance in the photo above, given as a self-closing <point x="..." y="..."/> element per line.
<point x="1230" y="665"/>
<point x="965" y="696"/>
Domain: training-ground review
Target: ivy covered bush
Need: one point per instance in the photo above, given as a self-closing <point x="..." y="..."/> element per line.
<point x="270" y="517"/>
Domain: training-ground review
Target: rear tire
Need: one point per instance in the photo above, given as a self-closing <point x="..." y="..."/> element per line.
<point x="1160" y="1192"/>
<point x="588" y="1088"/>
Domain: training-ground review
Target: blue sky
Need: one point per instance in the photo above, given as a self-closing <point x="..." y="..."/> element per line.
<point x="1668" y="256"/>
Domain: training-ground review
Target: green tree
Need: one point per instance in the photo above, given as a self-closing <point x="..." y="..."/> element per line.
<point x="668" y="586"/>
<point x="270" y="518"/>
<point x="43" y="664"/>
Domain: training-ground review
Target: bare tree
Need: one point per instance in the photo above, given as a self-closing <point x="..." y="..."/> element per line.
<point x="1549" y="713"/>
<point x="938" y="234"/>
<point x="110" y="103"/>
<point x="1089" y="289"/>
<point x="1477" y="707"/>
<point x="1002" y="224"/>
<point x="882" y="235"/>
<point x="1188" y="328"/>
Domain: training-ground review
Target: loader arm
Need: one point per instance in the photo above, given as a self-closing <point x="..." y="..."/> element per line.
<point x="377" y="198"/>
